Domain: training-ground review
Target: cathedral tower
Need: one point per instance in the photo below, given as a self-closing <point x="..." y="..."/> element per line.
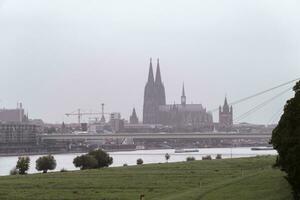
<point x="225" y="115"/>
<point x="154" y="96"/>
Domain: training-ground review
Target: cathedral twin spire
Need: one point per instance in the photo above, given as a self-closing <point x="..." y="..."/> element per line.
<point x="154" y="95"/>
<point x="151" y="74"/>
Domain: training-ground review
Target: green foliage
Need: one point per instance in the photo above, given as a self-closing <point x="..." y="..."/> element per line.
<point x="190" y="159"/>
<point x="228" y="179"/>
<point x="207" y="157"/>
<point x="92" y="160"/>
<point x="219" y="157"/>
<point x="23" y="165"/>
<point x="45" y="163"/>
<point x="167" y="156"/>
<point x="85" y="162"/>
<point x="139" y="161"/>
<point x="286" y="140"/>
<point x="103" y="158"/>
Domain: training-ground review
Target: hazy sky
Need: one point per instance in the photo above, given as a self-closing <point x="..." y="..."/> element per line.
<point x="60" y="55"/>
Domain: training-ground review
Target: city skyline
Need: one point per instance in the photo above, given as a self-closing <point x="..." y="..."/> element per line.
<point x="55" y="66"/>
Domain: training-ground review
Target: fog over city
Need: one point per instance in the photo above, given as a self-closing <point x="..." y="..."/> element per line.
<point x="60" y="55"/>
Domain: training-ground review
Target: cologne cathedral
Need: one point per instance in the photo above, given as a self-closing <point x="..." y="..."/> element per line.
<point x="180" y="117"/>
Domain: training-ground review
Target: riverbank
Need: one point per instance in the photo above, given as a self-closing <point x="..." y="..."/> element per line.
<point x="129" y="157"/>
<point x="243" y="178"/>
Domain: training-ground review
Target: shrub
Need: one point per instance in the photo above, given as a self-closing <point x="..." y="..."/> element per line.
<point x="85" y="162"/>
<point x="92" y="160"/>
<point x="189" y="159"/>
<point x="207" y="157"/>
<point x="45" y="163"/>
<point x="139" y="161"/>
<point x="103" y="158"/>
<point x="125" y="165"/>
<point x="23" y="165"/>
<point x="13" y="171"/>
<point x="219" y="157"/>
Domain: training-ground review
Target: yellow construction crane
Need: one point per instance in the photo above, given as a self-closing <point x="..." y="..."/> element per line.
<point x="79" y="114"/>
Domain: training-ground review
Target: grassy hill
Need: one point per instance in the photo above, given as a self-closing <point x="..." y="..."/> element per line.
<point x="246" y="178"/>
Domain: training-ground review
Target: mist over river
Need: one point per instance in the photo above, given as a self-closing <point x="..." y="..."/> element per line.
<point x="129" y="157"/>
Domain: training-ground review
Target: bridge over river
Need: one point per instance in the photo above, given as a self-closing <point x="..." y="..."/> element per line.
<point x="208" y="135"/>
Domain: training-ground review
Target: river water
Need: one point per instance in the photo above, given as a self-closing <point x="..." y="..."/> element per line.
<point x="129" y="157"/>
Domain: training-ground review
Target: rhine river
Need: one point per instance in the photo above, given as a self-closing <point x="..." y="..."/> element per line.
<point x="129" y="157"/>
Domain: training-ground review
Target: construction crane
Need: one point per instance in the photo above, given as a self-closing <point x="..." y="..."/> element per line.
<point x="79" y="114"/>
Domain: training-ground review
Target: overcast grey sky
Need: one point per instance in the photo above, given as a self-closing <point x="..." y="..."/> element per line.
<point x="60" y="55"/>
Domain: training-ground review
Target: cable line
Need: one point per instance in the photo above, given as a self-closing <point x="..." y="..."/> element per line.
<point x="258" y="94"/>
<point x="258" y="107"/>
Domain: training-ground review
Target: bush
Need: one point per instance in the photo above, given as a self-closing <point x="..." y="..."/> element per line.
<point x="139" y="161"/>
<point x="23" y="165"/>
<point x="103" y="158"/>
<point x="13" y="171"/>
<point x="207" y="157"/>
<point x="45" y="163"/>
<point x="85" y="162"/>
<point x="125" y="165"/>
<point x="219" y="157"/>
<point x="92" y="160"/>
<point x="189" y="159"/>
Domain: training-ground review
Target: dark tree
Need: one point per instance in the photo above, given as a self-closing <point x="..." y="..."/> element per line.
<point x="139" y="161"/>
<point x="286" y="140"/>
<point x="103" y="158"/>
<point x="46" y="163"/>
<point x="23" y="165"/>
<point x="85" y="162"/>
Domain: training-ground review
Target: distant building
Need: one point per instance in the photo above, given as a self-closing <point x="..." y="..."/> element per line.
<point x="13" y="115"/>
<point x="181" y="117"/>
<point x="186" y="117"/>
<point x="133" y="118"/>
<point x="18" y="133"/>
<point x="117" y="124"/>
<point x="225" y="117"/>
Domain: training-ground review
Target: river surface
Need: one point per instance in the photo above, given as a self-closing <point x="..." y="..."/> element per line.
<point x="129" y="157"/>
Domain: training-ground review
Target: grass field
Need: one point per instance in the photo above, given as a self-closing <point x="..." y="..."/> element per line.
<point x="240" y="179"/>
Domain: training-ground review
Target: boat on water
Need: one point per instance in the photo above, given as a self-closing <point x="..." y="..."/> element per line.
<point x="262" y="149"/>
<point x="186" y="150"/>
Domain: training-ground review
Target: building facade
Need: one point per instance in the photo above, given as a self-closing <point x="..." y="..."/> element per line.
<point x="18" y="133"/>
<point x="16" y="115"/>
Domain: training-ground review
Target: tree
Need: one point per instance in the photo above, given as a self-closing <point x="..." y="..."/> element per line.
<point x="103" y="158"/>
<point x="286" y="140"/>
<point x="167" y="156"/>
<point x="139" y="161"/>
<point x="85" y="162"/>
<point x="46" y="163"/>
<point x="23" y="165"/>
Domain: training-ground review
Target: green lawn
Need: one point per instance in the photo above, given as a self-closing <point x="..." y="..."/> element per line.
<point x="240" y="179"/>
